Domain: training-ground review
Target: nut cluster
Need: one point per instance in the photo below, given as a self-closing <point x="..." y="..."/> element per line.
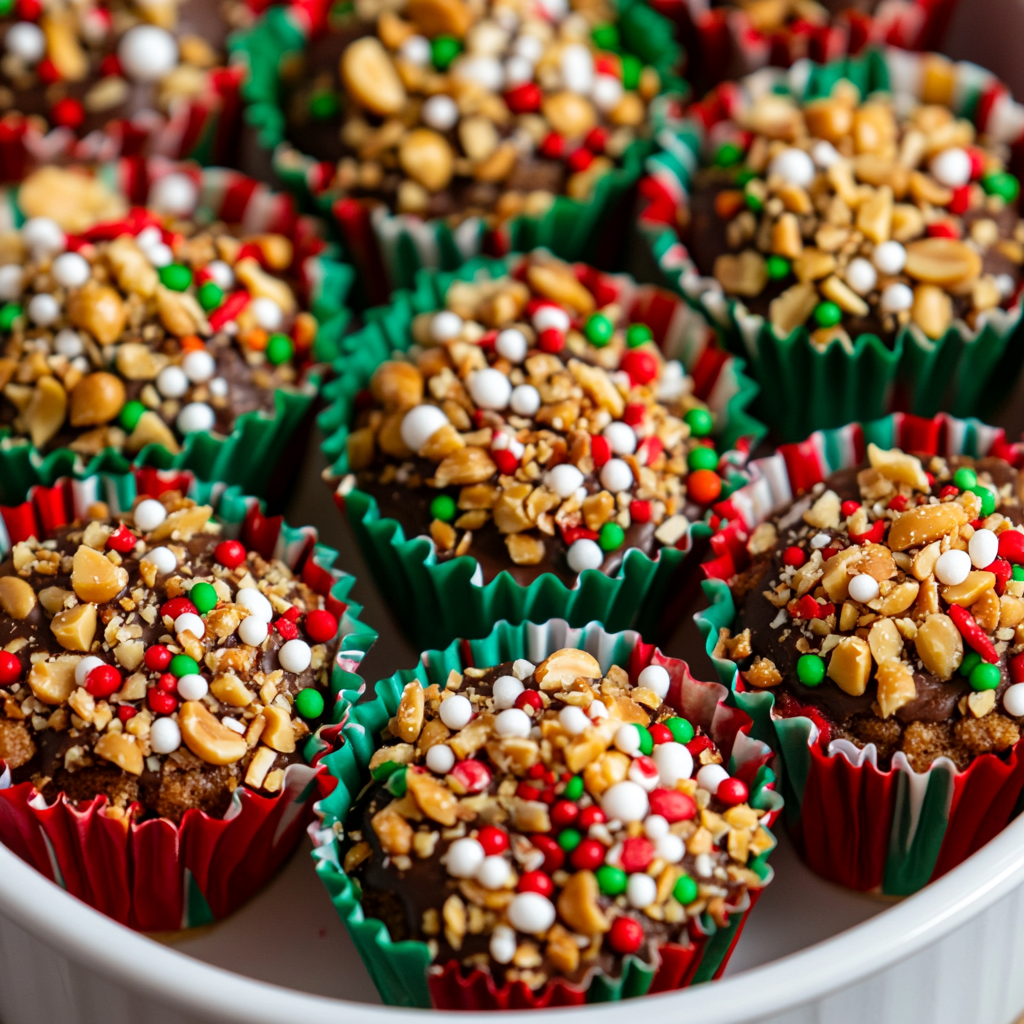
<point x="570" y="809"/>
<point x="853" y="214"/>
<point x="922" y="579"/>
<point x="150" y="644"/>
<point x="532" y="408"/>
<point x="143" y="331"/>
<point x="449" y="92"/>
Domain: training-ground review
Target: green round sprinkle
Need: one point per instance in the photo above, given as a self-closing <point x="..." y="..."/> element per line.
<point x="323" y="105"/>
<point x="828" y="314"/>
<point x="396" y="784"/>
<point x="631" y="69"/>
<point x="985" y="677"/>
<point x="685" y="890"/>
<point x="6" y="6"/>
<point x="9" y="312"/>
<point x="999" y="183"/>
<point x="638" y="334"/>
<point x="965" y="478"/>
<point x="569" y="839"/>
<point x="175" y="276"/>
<point x="702" y="458"/>
<point x="810" y="669"/>
<point x="384" y="770"/>
<point x="573" y="788"/>
<point x="972" y="659"/>
<point x="611" y="881"/>
<point x="611" y="537"/>
<point x="211" y="295"/>
<point x="753" y="202"/>
<point x="778" y="267"/>
<point x="279" y="349"/>
<point x="745" y="174"/>
<point x="700" y="422"/>
<point x="443" y="508"/>
<point x="183" y="665"/>
<point x="682" y="731"/>
<point x="728" y="154"/>
<point x="443" y="50"/>
<point x="1018" y="573"/>
<point x="988" y="499"/>
<point x="646" y="740"/>
<point x="605" y="36"/>
<point x="599" y="330"/>
<point x="204" y="597"/>
<point x="310" y="703"/>
<point x="131" y="414"/>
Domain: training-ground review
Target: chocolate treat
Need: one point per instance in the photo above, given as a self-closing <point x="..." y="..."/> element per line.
<point x="441" y="108"/>
<point x="543" y="822"/>
<point x="773" y="16"/>
<point x="887" y="606"/>
<point x="535" y="429"/>
<point x="144" y="331"/>
<point x="856" y="217"/>
<point x="150" y="661"/>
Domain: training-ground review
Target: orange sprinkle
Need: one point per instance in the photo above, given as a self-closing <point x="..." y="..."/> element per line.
<point x="728" y="203"/>
<point x="192" y="343"/>
<point x="304" y="333"/>
<point x="256" y="339"/>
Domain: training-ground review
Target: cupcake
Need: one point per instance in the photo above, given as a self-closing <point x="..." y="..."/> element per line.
<point x="530" y="835"/>
<point x="878" y="630"/>
<point x="93" y="80"/>
<point x="534" y="431"/>
<point x="433" y="125"/>
<point x="863" y="227"/>
<point x="163" y="682"/>
<point x="166" y="336"/>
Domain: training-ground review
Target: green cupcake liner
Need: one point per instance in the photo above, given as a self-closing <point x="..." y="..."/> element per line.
<point x="805" y="387"/>
<point x="398" y="245"/>
<point x="400" y="969"/>
<point x="249" y="455"/>
<point x="437" y="601"/>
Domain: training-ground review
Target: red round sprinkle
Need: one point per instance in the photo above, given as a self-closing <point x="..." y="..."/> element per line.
<point x="633" y="414"/>
<point x="549" y="796"/>
<point x="160" y="703"/>
<point x="122" y="540"/>
<point x="474" y="776"/>
<point x="640" y="511"/>
<point x="536" y="881"/>
<point x="68" y="113"/>
<point x="641" y="365"/>
<point x="579" y="160"/>
<point x="103" y="680"/>
<point x="961" y="200"/>
<point x="637" y="853"/>
<point x="554" y="855"/>
<point x="1003" y="572"/>
<point x="596" y="139"/>
<point x="553" y="146"/>
<point x="1011" y="546"/>
<point x="672" y="805"/>
<point x="536" y="771"/>
<point x="529" y="699"/>
<point x="29" y="10"/>
<point x="527" y="792"/>
<point x="849" y="507"/>
<point x="321" y="626"/>
<point x="493" y="840"/>
<point x="827" y="553"/>
<point x="794" y="556"/>
<point x="564" y="813"/>
<point x="942" y="229"/>
<point x="47" y="71"/>
<point x="178" y="606"/>
<point x="732" y="792"/>
<point x="898" y="503"/>
<point x="157" y="658"/>
<point x="949" y="491"/>
<point x="608" y="65"/>
<point x="524" y="98"/>
<point x="977" y="158"/>
<point x="10" y="668"/>
<point x="600" y="449"/>
<point x="588" y="856"/>
<point x="506" y="462"/>
<point x="551" y="340"/>
<point x="660" y="733"/>
<point x="550" y="778"/>
<point x="287" y="628"/>
<point x="126" y="711"/>
<point x="168" y="683"/>
<point x="590" y="816"/>
<point x="110" y="66"/>
<point x="230" y="553"/>
<point x="626" y="935"/>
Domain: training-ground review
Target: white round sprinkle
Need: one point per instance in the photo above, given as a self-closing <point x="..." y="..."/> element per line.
<point x="616" y="476"/>
<point x="627" y="739"/>
<point x="577" y="68"/>
<point x="674" y="762"/>
<point x="584" y="554"/>
<point x="163" y="558"/>
<point x="703" y="865"/>
<point x="25" y="40"/>
<point x="861" y="276"/>
<point x="889" y="257"/>
<point x="551" y="316"/>
<point x="456" y="711"/>
<point x="44" y="236"/>
<point x="192" y="687"/>
<point x="255" y="604"/>
<point x="481" y="69"/>
<point x="656" y="678"/>
<point x="164" y="736"/>
<point x="952" y="567"/>
<point x="951" y="167"/>
<point x="490" y="389"/>
<point x="196" y="417"/>
<point x="503" y="944"/>
<point x="68" y="343"/>
<point x="506" y="689"/>
<point x="160" y="255"/>
<point x="824" y="154"/>
<point x="440" y="758"/>
<point x="655" y="826"/>
<point x="221" y="274"/>
<point x="85" y="666"/>
<point x="464" y="858"/>
<point x="512" y="722"/>
<point x="625" y="801"/>
<point x="149" y="236"/>
<point x="529" y="46"/>
<point x="295" y="656"/>
<point x="531" y="913"/>
<point x="268" y="313"/>
<point x="12" y="282"/>
<point x="43" y="310"/>
<point x="1013" y="700"/>
<point x="863" y="588"/>
<point x="419" y="423"/>
<point x="820" y="540"/>
<point x="174" y="193"/>
<point x="218" y="387"/>
<point x="606" y="93"/>
<point x="233" y="724"/>
<point x="670" y="848"/>
<point x="711" y="776"/>
<point x="71" y="270"/>
<point x="525" y="400"/>
<point x="564" y="479"/>
<point x="896" y="298"/>
<point x="518" y="70"/>
<point x="172" y="382"/>
<point x="440" y="112"/>
<point x="1006" y="285"/>
<point x="621" y="438"/>
<point x="644" y="772"/>
<point x="147" y="53"/>
<point x="445" y="325"/>
<point x="597" y="710"/>
<point x="191" y="622"/>
<point x="512" y="345"/>
<point x="793" y="165"/>
<point x="199" y="366"/>
<point x="149" y="514"/>
<point x="641" y="890"/>
<point x="573" y="720"/>
<point x="416" y="50"/>
<point x="983" y="547"/>
<point x="493" y="872"/>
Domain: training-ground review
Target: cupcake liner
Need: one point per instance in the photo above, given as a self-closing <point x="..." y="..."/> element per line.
<point x="401" y="970"/>
<point x="387" y="248"/>
<point x="436" y="602"/>
<point x="804" y="387"/>
<point x="200" y="128"/>
<point x="878" y="831"/>
<point x="258" y="443"/>
<point x="157" y="876"/>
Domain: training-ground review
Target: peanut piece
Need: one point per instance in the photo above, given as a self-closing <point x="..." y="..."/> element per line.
<point x="409" y="717"/>
<point x="946" y="262"/>
<point x="433" y="798"/>
<point x="96" y="399"/>
<point x="75" y="628"/>
<point x="17" y="598"/>
<point x="121" y="749"/>
<point x="370" y="77"/>
<point x="95" y="578"/>
<point x="924" y="524"/>
<point x="939" y="646"/>
<point x="278" y="733"/>
<point x="896" y="686"/>
<point x="850" y="665"/>
<point x="206" y="737"/>
<point x="52" y="682"/>
<point x="578" y="906"/>
<point x="566" y="666"/>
